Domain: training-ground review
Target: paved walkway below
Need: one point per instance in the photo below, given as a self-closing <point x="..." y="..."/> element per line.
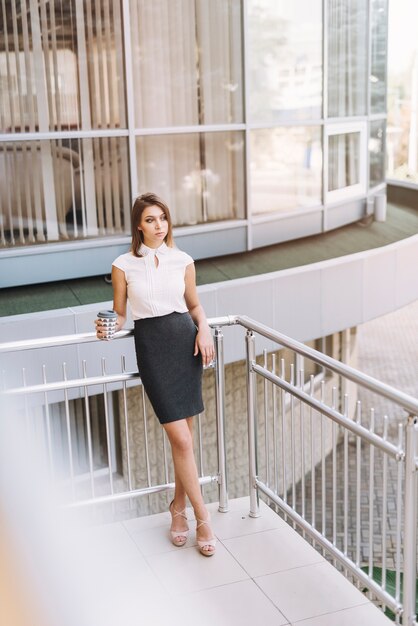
<point x="388" y="350"/>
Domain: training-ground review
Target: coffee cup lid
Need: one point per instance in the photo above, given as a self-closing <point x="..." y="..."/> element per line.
<point x="110" y="313"/>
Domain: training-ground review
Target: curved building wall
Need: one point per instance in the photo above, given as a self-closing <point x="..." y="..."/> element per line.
<point x="258" y="122"/>
<point x="307" y="303"/>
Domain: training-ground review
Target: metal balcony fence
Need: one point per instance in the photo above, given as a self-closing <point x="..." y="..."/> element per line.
<point x="312" y="454"/>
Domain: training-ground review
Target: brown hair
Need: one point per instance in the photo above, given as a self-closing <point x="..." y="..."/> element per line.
<point x="140" y="204"/>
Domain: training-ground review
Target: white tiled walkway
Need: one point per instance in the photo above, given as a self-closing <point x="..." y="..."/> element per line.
<point x="263" y="573"/>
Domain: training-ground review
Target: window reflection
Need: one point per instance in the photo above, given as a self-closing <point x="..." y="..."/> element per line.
<point x="379" y="41"/>
<point x="187" y="62"/>
<point x="377" y="142"/>
<point x="347" y="57"/>
<point x="343" y="160"/>
<point x="201" y="175"/>
<point x="285" y="57"/>
<point x="286" y="169"/>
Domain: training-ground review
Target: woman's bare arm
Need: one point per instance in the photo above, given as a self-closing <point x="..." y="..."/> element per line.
<point x="119" y="302"/>
<point x="204" y="340"/>
<point x="120" y="296"/>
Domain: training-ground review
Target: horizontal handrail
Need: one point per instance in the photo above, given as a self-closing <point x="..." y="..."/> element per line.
<point x="68" y="340"/>
<point x="135" y="493"/>
<point x="59" y="385"/>
<point x="59" y="340"/>
<point x="407" y="402"/>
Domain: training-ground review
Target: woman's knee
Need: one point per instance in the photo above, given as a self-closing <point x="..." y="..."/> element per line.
<point x="180" y="436"/>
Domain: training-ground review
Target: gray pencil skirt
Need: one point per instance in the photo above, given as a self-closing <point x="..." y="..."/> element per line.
<point x="170" y="373"/>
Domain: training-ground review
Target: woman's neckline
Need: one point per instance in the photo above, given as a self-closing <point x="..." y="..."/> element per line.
<point x="144" y="249"/>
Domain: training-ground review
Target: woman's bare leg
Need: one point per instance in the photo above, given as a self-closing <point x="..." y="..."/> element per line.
<point x="179" y="491"/>
<point x="187" y="481"/>
<point x="179" y="500"/>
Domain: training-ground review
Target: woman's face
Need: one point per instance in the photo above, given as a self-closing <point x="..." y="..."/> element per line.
<point x="154" y="226"/>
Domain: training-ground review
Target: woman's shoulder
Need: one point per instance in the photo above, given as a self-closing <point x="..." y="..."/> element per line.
<point x="181" y="255"/>
<point x="124" y="261"/>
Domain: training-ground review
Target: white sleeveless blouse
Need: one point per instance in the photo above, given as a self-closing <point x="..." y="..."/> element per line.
<point x="154" y="291"/>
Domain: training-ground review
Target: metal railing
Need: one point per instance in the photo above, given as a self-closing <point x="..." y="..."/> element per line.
<point x="404" y="454"/>
<point x="117" y="490"/>
<point x="312" y="457"/>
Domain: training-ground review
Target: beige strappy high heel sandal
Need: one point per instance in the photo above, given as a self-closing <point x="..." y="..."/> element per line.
<point x="208" y="543"/>
<point x="178" y="537"/>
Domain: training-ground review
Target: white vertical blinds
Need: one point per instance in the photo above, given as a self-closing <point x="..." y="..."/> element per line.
<point x="61" y="69"/>
<point x="62" y="64"/>
<point x="62" y="80"/>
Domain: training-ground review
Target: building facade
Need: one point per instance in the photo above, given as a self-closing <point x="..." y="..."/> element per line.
<point x="258" y="121"/>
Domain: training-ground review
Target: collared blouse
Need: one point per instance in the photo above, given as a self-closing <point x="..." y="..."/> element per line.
<point x="155" y="289"/>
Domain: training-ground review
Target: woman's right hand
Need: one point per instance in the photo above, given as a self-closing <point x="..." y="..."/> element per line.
<point x="120" y="295"/>
<point x="102" y="332"/>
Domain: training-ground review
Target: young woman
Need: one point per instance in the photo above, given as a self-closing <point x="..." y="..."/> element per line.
<point x="172" y="342"/>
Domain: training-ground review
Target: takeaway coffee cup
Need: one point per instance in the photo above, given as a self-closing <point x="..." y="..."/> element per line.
<point x="108" y="319"/>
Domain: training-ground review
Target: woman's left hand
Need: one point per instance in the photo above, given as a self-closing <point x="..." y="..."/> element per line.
<point x="204" y="344"/>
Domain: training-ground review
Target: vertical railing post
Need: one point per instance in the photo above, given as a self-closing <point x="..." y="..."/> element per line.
<point x="252" y="432"/>
<point x="410" y="525"/>
<point x="220" y="419"/>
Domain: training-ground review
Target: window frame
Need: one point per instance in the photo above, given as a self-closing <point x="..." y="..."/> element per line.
<point x="360" y="188"/>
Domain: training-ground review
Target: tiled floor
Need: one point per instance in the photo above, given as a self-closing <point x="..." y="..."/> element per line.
<point x="263" y="573"/>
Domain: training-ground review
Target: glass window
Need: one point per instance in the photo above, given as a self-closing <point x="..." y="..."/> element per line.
<point x="379" y="46"/>
<point x="63" y="189"/>
<point x="377" y="141"/>
<point x="347" y="57"/>
<point x="199" y="175"/>
<point x="187" y="62"/>
<point x="343" y="161"/>
<point x="286" y="169"/>
<point x="347" y="163"/>
<point x="62" y="67"/>
<point x="402" y="93"/>
<point x="285" y="60"/>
